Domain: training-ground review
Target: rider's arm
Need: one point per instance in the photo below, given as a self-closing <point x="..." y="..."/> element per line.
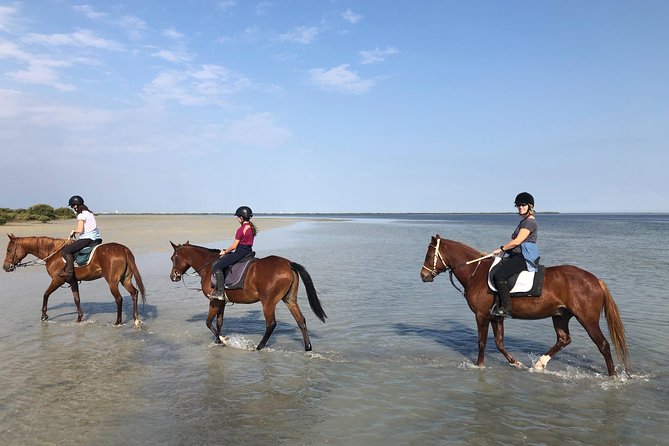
<point x="79" y="229"/>
<point x="520" y="238"/>
<point x="231" y="247"/>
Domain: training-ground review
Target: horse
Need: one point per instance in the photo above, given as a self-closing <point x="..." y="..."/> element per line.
<point x="268" y="280"/>
<point x="568" y="291"/>
<point x="112" y="261"/>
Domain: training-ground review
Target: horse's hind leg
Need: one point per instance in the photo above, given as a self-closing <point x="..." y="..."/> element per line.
<point x="291" y="302"/>
<point x="561" y="325"/>
<point x="134" y="294"/>
<point x="113" y="287"/>
<point x="602" y="344"/>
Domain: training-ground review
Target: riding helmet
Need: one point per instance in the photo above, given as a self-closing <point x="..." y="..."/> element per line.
<point x="76" y="199"/>
<point x="245" y="212"/>
<point x="524" y="198"/>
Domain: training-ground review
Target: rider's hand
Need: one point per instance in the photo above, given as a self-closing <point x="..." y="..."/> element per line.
<point x="72" y="233"/>
<point x="497" y="251"/>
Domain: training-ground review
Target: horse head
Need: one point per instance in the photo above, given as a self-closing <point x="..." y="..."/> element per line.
<point x="434" y="262"/>
<point x="179" y="262"/>
<point x="15" y="253"/>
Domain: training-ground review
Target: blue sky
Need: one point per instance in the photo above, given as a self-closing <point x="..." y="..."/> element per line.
<point x="335" y="106"/>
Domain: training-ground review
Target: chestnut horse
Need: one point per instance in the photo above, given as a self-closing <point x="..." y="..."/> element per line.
<point x="568" y="292"/>
<point x="112" y="261"/>
<point x="268" y="280"/>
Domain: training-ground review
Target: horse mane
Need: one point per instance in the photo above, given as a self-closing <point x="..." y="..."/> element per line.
<point x="211" y="250"/>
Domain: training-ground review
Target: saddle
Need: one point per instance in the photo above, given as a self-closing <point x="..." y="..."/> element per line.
<point x="83" y="256"/>
<point x="236" y="273"/>
<point x="523" y="284"/>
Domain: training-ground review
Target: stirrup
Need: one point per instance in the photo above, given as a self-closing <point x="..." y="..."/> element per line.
<point x="495" y="311"/>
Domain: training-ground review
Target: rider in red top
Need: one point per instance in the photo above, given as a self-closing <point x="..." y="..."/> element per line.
<point x="240" y="248"/>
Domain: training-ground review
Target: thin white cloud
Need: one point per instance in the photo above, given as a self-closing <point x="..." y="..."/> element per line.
<point x="257" y="130"/>
<point x="90" y="12"/>
<point x="301" y="34"/>
<point x="173" y="34"/>
<point x="172" y="56"/>
<point x="210" y="84"/>
<point x="376" y="55"/>
<point x="134" y="26"/>
<point x="263" y="8"/>
<point x="39" y="70"/>
<point x="351" y="16"/>
<point x="82" y="38"/>
<point x="8" y="20"/>
<point x="224" y="5"/>
<point x="340" y="79"/>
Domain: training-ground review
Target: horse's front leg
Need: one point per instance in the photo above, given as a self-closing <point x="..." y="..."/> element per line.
<point x="74" y="285"/>
<point x="215" y="307"/>
<point x="498" y="331"/>
<point x="482" y="324"/>
<point x="56" y="282"/>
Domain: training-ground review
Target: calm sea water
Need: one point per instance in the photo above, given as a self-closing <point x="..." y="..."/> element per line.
<point x="392" y="365"/>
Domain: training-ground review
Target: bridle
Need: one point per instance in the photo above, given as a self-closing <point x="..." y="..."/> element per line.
<point x="13" y="265"/>
<point x="180" y="275"/>
<point x="438" y="257"/>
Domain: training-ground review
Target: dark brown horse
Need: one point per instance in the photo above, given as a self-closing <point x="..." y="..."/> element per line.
<point x="568" y="292"/>
<point x="112" y="261"/>
<point x="268" y="280"/>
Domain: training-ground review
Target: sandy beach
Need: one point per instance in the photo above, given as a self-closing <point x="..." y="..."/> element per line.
<point x="148" y="233"/>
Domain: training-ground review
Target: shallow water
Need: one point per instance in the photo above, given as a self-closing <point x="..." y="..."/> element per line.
<point x="393" y="363"/>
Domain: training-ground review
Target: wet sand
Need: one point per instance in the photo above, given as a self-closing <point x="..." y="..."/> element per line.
<point x="149" y="233"/>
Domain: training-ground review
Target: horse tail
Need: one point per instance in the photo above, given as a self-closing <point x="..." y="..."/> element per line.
<point x="138" y="277"/>
<point x="616" y="329"/>
<point x="314" y="303"/>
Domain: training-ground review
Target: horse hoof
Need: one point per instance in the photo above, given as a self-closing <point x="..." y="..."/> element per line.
<point x="541" y="363"/>
<point x="44" y="318"/>
<point x="223" y="340"/>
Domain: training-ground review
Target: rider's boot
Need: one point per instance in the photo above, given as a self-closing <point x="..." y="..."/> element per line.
<point x="504" y="308"/>
<point x="219" y="292"/>
<point x="68" y="271"/>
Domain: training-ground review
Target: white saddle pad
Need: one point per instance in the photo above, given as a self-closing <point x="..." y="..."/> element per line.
<point x="523" y="284"/>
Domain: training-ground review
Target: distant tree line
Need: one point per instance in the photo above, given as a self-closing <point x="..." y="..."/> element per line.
<point x="38" y="212"/>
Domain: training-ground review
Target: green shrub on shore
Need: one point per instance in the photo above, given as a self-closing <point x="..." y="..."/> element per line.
<point x="39" y="212"/>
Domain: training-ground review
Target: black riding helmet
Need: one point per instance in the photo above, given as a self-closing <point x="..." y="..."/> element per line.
<point x="524" y="198"/>
<point x="76" y="199"/>
<point x="245" y="212"/>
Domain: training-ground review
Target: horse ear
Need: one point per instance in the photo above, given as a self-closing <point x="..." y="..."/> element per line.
<point x="437" y="236"/>
<point x="11" y="236"/>
<point x="173" y="245"/>
<point x="187" y="242"/>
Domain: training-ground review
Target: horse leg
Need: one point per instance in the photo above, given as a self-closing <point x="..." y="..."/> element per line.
<point x="602" y="344"/>
<point x="291" y="302"/>
<point x="561" y="325"/>
<point x="53" y="286"/>
<point x="74" y="285"/>
<point x="134" y="293"/>
<point x="270" y="322"/>
<point x="113" y="287"/>
<point x="214" y="309"/>
<point x="219" y="321"/>
<point x="482" y="323"/>
<point x="498" y="331"/>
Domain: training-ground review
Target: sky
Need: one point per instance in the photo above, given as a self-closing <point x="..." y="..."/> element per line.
<point x="335" y="106"/>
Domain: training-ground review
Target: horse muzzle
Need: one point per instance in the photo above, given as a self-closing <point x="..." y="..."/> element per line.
<point x="175" y="276"/>
<point x="9" y="267"/>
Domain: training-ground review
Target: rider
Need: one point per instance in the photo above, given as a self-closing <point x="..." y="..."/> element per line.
<point x="521" y="252"/>
<point x="240" y="248"/>
<point x="87" y="231"/>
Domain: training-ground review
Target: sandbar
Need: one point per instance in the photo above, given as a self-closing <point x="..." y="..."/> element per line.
<point x="149" y="233"/>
